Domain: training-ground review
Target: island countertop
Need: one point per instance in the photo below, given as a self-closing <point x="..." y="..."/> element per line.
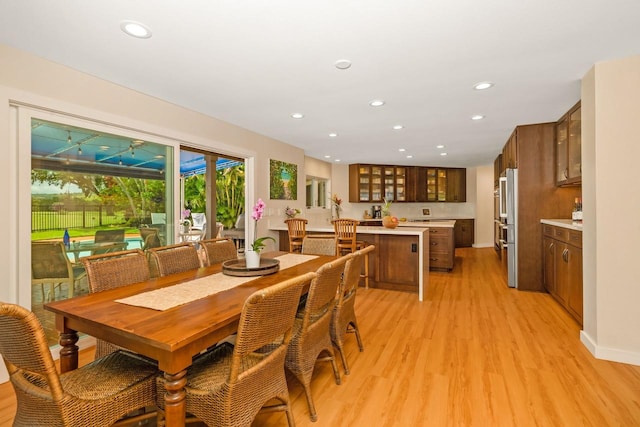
<point x="401" y="244"/>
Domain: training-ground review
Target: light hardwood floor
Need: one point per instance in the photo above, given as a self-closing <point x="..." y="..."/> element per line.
<point x="474" y="353"/>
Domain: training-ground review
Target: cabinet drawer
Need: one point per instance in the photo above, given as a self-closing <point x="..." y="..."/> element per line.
<point x="439" y="244"/>
<point x="548" y="230"/>
<point x="561" y="234"/>
<point x="439" y="260"/>
<point x="575" y="238"/>
<point x="439" y="231"/>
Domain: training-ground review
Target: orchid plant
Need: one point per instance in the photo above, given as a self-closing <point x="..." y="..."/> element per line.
<point x="291" y="212"/>
<point x="257" y="213"/>
<point x="184" y="217"/>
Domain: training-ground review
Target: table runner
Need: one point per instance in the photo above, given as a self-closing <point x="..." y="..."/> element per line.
<point x="183" y="293"/>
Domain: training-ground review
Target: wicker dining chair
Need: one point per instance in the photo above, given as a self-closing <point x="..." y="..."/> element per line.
<point x="113" y="270"/>
<point x="311" y="336"/>
<point x="347" y="242"/>
<point x="97" y="394"/>
<point x="218" y="250"/>
<point x="343" y="319"/>
<point x="51" y="266"/>
<point x="230" y="384"/>
<point x="297" y="231"/>
<point x="318" y="245"/>
<point x="173" y="259"/>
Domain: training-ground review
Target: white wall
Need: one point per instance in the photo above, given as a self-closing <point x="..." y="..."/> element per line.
<point x="610" y="177"/>
<point x="484" y="206"/>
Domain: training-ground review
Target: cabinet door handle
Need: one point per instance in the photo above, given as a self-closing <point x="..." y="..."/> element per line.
<point x="433" y="259"/>
<point x="565" y="255"/>
<point x="434" y="243"/>
<point x="566" y="172"/>
<point x="551" y="245"/>
<point x="433" y="231"/>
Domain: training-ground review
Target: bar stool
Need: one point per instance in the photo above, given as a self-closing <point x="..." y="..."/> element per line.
<point x="297" y="231"/>
<point x="346" y="242"/>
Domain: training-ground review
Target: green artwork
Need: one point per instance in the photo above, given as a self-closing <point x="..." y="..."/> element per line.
<point x="283" y="178"/>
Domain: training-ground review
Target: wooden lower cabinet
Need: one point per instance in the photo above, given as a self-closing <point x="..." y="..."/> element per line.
<point x="463" y="232"/>
<point x="562" y="249"/>
<point x="441" y="248"/>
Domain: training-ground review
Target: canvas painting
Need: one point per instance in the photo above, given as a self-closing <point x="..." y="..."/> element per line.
<point x="283" y="179"/>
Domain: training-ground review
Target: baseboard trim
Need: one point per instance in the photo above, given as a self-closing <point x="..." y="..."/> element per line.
<point x="610" y="354"/>
<point x="482" y="245"/>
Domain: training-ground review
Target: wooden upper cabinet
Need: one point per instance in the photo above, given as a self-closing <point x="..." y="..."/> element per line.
<point x="497" y="170"/>
<point x="440" y="184"/>
<point x="569" y="148"/>
<point x="510" y="153"/>
<point x="372" y="183"/>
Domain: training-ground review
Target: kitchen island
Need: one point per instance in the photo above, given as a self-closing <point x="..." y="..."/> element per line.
<point x="400" y="261"/>
<point x="442" y="248"/>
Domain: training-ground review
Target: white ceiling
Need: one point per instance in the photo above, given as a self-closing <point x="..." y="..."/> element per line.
<point x="255" y="62"/>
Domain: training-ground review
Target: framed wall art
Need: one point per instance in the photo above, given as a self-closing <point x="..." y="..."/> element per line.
<point x="283" y="180"/>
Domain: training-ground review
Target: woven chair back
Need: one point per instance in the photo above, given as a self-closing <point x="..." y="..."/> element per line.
<point x="319" y="245"/>
<point x="218" y="250"/>
<point x="24" y="347"/>
<point x="266" y="320"/>
<point x="175" y="258"/>
<point x="115" y="269"/>
<point x="322" y="292"/>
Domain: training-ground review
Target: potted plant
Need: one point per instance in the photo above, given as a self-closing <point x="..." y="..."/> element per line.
<point x="252" y="257"/>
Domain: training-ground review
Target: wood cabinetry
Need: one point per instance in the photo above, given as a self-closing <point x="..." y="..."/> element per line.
<point x="563" y="267"/>
<point x="538" y="197"/>
<point x="441" y="184"/>
<point x="463" y="232"/>
<point x="441" y="248"/>
<point x="569" y="147"/>
<point x="510" y="154"/>
<point x="497" y="170"/>
<point x="372" y="183"/>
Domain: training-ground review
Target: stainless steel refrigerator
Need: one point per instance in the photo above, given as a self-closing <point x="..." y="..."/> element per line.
<point x="508" y="194"/>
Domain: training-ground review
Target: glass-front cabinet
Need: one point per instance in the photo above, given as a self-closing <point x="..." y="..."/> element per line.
<point x="569" y="147"/>
<point x="373" y="183"/>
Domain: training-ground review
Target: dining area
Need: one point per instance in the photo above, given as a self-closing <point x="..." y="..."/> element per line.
<point x="190" y="312"/>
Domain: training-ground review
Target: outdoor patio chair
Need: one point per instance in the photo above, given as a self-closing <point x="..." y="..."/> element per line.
<point x="150" y="237"/>
<point x="97" y="394"/>
<point x="116" y="237"/>
<point x="51" y="266"/>
<point x="158" y="218"/>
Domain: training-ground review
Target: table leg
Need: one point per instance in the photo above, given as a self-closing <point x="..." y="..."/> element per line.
<point x="68" y="351"/>
<point x="175" y="403"/>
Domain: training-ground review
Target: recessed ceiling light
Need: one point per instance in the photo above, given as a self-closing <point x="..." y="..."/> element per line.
<point x="477" y="117"/>
<point x="135" y="29"/>
<point x="297" y="115"/>
<point x="377" y="103"/>
<point x="342" y="64"/>
<point x="333" y="134"/>
<point x="327" y="156"/>
<point x="337" y="160"/>
<point x="409" y="156"/>
<point x="398" y="127"/>
<point x="439" y="146"/>
<point x="443" y="154"/>
<point x="482" y="85"/>
<point x="401" y="149"/>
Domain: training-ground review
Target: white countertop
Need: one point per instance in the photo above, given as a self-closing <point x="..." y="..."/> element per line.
<point x="564" y="223"/>
<point x="433" y="223"/>
<point x="405" y="231"/>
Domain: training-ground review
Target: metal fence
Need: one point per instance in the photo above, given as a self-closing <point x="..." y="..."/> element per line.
<point x="58" y="216"/>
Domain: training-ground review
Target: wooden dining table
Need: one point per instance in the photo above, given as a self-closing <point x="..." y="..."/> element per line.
<point x="171" y="337"/>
